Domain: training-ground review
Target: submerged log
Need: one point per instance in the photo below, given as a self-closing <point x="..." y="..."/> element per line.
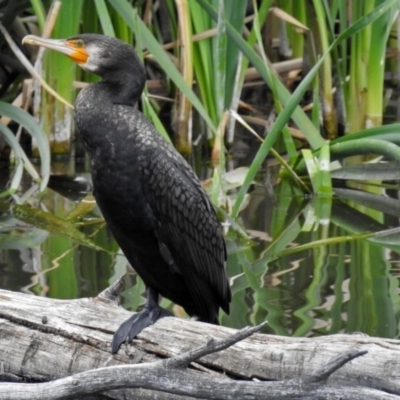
<point x="43" y="340"/>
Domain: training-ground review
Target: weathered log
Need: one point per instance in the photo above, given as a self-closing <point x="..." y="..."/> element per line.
<point x="43" y="340"/>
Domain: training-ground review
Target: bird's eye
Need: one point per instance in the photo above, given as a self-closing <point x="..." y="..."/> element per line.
<point x="79" y="43"/>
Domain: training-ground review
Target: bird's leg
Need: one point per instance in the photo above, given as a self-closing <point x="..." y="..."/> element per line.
<point x="151" y="313"/>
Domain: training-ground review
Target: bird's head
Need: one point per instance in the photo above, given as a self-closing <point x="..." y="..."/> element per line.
<point x="95" y="53"/>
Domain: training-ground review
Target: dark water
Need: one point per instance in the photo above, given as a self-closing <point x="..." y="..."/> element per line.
<point x="340" y="284"/>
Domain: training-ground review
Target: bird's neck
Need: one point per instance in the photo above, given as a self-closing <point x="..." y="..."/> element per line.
<point x="124" y="89"/>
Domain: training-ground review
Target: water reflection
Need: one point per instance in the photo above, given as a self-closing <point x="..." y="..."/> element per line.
<point x="345" y="281"/>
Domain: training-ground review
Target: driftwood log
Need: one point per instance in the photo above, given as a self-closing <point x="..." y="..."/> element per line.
<point x="51" y="349"/>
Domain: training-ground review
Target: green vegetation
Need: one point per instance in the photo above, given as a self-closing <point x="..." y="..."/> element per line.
<point x="200" y="55"/>
<point x="212" y="54"/>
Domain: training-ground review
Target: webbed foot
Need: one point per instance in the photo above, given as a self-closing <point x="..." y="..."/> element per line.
<point x="151" y="313"/>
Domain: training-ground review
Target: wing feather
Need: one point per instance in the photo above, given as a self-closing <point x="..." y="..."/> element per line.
<point x="187" y="224"/>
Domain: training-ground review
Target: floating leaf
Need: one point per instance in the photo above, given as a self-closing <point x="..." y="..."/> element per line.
<point x="84" y="207"/>
<point x="369" y="172"/>
<point x="46" y="221"/>
<point x="377" y="202"/>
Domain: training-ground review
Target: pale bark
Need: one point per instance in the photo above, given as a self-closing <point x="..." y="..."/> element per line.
<point x="44" y="340"/>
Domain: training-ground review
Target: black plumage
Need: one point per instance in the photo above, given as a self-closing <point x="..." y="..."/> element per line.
<point x="150" y="197"/>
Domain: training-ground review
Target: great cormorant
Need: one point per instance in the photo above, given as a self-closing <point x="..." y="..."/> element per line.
<point x="150" y="197"/>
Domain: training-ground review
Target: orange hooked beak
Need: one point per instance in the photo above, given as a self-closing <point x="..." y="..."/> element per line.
<point x="73" y="48"/>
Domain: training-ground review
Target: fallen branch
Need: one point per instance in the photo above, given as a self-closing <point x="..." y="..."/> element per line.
<point x="63" y="349"/>
<point x="171" y="377"/>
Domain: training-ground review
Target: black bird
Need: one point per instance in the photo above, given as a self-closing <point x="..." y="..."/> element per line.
<point x="150" y="197"/>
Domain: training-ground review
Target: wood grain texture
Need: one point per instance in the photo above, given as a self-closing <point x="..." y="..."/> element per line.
<point x="44" y="339"/>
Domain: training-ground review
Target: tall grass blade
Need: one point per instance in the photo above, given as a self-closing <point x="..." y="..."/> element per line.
<point x="56" y="118"/>
<point x="40" y="13"/>
<point x="220" y="60"/>
<point x="20" y="160"/>
<point x="105" y="19"/>
<point x="30" y="124"/>
<point x="126" y="12"/>
<point x="298" y="115"/>
<point x="365" y="146"/>
<point x="295" y="99"/>
<point x="183" y="109"/>
<point x="328" y="107"/>
<point x="388" y="132"/>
